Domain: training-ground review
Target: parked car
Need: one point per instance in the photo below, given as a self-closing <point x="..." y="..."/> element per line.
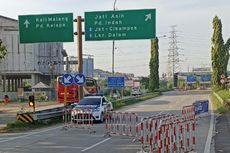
<point x="98" y="104"/>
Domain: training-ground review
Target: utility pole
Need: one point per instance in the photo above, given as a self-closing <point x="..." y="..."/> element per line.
<point x="173" y="56"/>
<point x="79" y="51"/>
<point x="113" y="46"/>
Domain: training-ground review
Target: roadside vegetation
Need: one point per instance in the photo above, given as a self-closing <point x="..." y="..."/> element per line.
<point x="220" y="58"/>
<point x="223" y="107"/>
<point x="218" y="107"/>
<point x="125" y="102"/>
<point x="22" y="126"/>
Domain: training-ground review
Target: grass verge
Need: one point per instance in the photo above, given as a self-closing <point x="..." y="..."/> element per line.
<point x="22" y="126"/>
<point x="218" y="107"/>
<point x="125" y="102"/>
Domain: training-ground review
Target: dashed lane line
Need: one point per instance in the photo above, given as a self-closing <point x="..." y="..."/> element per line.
<point x="95" y="145"/>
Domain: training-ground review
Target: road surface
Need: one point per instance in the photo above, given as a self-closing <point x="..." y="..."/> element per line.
<point x="73" y="140"/>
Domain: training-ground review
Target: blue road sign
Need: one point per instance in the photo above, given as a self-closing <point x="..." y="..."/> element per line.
<point x="116" y="82"/>
<point x="79" y="79"/>
<point x="201" y="106"/>
<point x="67" y="79"/>
<point x="191" y="78"/>
<point x="205" y="78"/>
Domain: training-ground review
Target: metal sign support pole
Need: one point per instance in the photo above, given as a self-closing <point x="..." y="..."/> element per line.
<point x="79" y="51"/>
<point x="65" y="104"/>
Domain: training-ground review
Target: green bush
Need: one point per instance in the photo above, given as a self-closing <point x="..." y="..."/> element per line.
<point x="124" y="102"/>
<point x="218" y="107"/>
<point x="224" y="94"/>
<point x="22" y="126"/>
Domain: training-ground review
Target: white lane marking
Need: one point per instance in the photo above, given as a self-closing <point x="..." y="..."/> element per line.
<point x="207" y="148"/>
<point x="34" y="133"/>
<point x="96" y="144"/>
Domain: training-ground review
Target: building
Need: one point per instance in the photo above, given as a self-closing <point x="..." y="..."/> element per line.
<point x="33" y="63"/>
<point x="88" y="65"/>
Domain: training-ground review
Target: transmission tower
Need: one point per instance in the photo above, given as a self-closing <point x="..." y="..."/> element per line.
<point x="173" y="56"/>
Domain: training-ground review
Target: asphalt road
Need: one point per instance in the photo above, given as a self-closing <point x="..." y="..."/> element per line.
<point x="73" y="140"/>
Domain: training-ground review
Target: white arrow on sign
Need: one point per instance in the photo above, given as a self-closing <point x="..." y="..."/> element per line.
<point x="67" y="80"/>
<point x="148" y="17"/>
<point x="27" y="23"/>
<point x="80" y="79"/>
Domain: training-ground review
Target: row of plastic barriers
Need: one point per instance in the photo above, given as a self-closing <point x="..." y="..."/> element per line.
<point x="161" y="133"/>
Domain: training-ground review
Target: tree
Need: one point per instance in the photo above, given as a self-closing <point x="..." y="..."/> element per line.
<point x="219" y="53"/>
<point x="3" y="50"/>
<point x="154" y="66"/>
<point x="145" y="82"/>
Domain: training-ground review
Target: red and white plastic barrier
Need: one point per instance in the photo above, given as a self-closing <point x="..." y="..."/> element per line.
<point x="122" y="123"/>
<point x="167" y="134"/>
<point x="82" y="118"/>
<point x="188" y="112"/>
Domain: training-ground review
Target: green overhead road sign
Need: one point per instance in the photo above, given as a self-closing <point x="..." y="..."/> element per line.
<point x="120" y="25"/>
<point x="46" y="28"/>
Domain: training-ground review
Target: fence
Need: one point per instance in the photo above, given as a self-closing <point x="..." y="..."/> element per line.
<point x="79" y="118"/>
<point x="161" y="133"/>
<point x="167" y="134"/>
<point x="121" y="123"/>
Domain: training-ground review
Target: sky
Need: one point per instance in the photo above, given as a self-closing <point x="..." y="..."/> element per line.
<point x="193" y="20"/>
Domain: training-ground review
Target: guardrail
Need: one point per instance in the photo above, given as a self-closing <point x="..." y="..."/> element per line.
<point x="41" y="115"/>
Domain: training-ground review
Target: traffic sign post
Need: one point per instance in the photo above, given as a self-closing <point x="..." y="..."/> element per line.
<point x="46" y="28"/>
<point x="66" y="80"/>
<point x="120" y="25"/>
<point x="79" y="51"/>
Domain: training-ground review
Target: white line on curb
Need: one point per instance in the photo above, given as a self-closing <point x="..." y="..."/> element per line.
<point x="96" y="144"/>
<point x="207" y="148"/>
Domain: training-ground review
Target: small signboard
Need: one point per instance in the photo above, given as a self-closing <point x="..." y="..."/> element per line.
<point x="116" y="82"/>
<point x="46" y="28"/>
<point x="201" y="106"/>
